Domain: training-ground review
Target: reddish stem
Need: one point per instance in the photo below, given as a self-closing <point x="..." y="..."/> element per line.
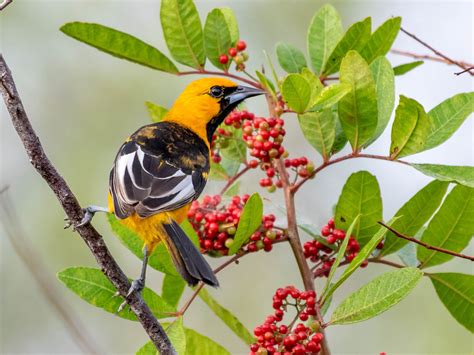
<point x="345" y="157"/>
<point x="234" y="178"/>
<point x="221" y="73"/>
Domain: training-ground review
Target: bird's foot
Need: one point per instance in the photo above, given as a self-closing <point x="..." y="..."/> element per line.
<point x="137" y="286"/>
<point x="89" y="213"/>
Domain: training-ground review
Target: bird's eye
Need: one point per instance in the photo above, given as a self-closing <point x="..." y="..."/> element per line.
<point x="216" y="91"/>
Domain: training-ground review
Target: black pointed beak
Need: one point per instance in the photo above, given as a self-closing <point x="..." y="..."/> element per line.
<point x="241" y="93"/>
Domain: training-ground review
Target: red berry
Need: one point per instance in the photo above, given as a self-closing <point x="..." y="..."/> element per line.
<point x="241" y="45"/>
<point x="232" y="52"/>
<point x="223" y="59"/>
<point x="326" y="230"/>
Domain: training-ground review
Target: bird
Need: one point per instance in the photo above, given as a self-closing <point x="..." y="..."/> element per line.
<point x="162" y="167"/>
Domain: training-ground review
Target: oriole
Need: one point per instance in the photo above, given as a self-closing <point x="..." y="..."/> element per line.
<point x="164" y="166"/>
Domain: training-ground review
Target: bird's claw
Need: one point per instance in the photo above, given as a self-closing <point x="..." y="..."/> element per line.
<point x="137" y="286"/>
<point x="89" y="213"/>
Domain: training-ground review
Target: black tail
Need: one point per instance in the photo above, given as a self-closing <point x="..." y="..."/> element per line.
<point x="188" y="260"/>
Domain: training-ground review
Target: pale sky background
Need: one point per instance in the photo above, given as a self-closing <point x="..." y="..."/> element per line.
<point x="83" y="103"/>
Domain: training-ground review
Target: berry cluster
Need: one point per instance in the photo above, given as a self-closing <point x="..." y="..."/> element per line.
<point x="216" y="225"/>
<point x="236" y="54"/>
<point x="264" y="138"/>
<point x="321" y="251"/>
<point x="272" y="338"/>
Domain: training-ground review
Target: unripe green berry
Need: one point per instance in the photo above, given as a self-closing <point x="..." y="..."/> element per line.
<point x="228" y="243"/>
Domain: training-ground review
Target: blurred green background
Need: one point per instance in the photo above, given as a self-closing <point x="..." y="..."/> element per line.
<point x="83" y="103"/>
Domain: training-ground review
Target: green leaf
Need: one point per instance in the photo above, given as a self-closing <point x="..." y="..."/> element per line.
<point x="219" y="35"/>
<point x="382" y="73"/>
<point x="463" y="175"/>
<point x="183" y="32"/>
<point x="218" y="172"/>
<point x="447" y="117"/>
<point x="93" y="287"/>
<point x="360" y="196"/>
<point x="296" y="92"/>
<point x="159" y="259"/>
<point x="414" y="214"/>
<point x="360" y="258"/>
<point x="227" y="317"/>
<point x="405" y="68"/>
<point x="266" y="83"/>
<point x="329" y="96"/>
<point x="250" y="220"/>
<point x="381" y="40"/>
<point x="175" y="332"/>
<point x="119" y="44"/>
<point x="230" y="166"/>
<point x="456" y="291"/>
<point x="156" y="112"/>
<point x="324" y="33"/>
<point x="196" y="344"/>
<point x="314" y="83"/>
<point x="188" y="228"/>
<point x="377" y="296"/>
<point x="355" y="38"/>
<point x="451" y="228"/>
<point x="410" y="128"/>
<point x="340" y="140"/>
<point x="340" y="254"/>
<point x="236" y="149"/>
<point x="291" y="59"/>
<point x="319" y="129"/>
<point x="358" y="109"/>
<point x="172" y="289"/>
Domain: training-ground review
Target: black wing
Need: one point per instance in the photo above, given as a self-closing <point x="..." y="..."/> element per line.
<point x="147" y="184"/>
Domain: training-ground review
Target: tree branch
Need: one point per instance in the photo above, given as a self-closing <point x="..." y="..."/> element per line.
<point x="234" y="179"/>
<point x="293" y="236"/>
<point x="426" y="57"/>
<point x="221" y="73"/>
<point x="438" y="53"/>
<point x="5" y="3"/>
<point x="340" y="159"/>
<point x="73" y="210"/>
<point x="425" y="245"/>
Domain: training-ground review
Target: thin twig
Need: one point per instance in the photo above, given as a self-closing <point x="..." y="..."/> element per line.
<point x="425" y="57"/>
<point x="386" y="262"/>
<point x="438" y="53"/>
<point x="340" y="159"/>
<point x="5" y="3"/>
<point x="222" y="73"/>
<point x="73" y="210"/>
<point x="234" y="179"/>
<point x="425" y="245"/>
<point x="30" y="257"/>
<point x="464" y="71"/>
<point x="232" y="260"/>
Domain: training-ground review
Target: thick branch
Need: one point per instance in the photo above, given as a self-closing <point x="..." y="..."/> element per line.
<point x="74" y="212"/>
<point x="425" y="245"/>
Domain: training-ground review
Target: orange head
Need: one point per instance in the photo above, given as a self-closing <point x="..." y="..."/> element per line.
<point x="204" y="104"/>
